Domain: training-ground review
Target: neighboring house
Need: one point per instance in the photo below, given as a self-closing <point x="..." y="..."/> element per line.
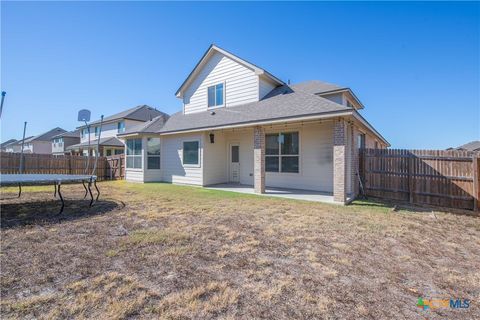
<point x="240" y="124"/>
<point x="471" y="146"/>
<point x="6" y="144"/>
<point x="112" y="126"/>
<point x="40" y="144"/>
<point x="16" y="146"/>
<point x="62" y="141"/>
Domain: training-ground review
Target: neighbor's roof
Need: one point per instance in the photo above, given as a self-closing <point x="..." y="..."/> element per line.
<point x="47" y="136"/>
<point x="152" y="126"/>
<point x="7" y="143"/>
<point x="111" y="142"/>
<point x="281" y="103"/>
<point x="324" y="88"/>
<point x="19" y="142"/>
<point x="471" y="146"/>
<point x="70" y="134"/>
<point x="140" y="113"/>
<point x="210" y="51"/>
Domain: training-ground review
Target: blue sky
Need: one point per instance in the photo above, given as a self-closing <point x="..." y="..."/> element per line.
<point x="415" y="66"/>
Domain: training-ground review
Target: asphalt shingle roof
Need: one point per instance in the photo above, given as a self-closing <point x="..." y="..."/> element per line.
<point x="281" y="103"/>
<point x="46" y="136"/>
<point x="71" y="134"/>
<point x="152" y="126"/>
<point x="110" y="141"/>
<point x="141" y="113"/>
<point x="316" y="86"/>
<point x="471" y="146"/>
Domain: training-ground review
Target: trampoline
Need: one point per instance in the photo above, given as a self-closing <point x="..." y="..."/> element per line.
<point x="57" y="179"/>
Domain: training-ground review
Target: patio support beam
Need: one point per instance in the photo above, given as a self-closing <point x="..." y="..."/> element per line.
<point x="259" y="159"/>
<point x="339" y="161"/>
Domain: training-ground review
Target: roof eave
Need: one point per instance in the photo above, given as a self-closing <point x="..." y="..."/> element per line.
<point x="322" y="115"/>
<point x="346" y="89"/>
<point x="362" y="120"/>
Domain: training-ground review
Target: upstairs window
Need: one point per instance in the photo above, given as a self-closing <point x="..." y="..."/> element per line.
<point x="216" y="96"/>
<point x="97" y="131"/>
<point x="84" y="132"/>
<point x="282" y="152"/>
<point x="121" y="127"/>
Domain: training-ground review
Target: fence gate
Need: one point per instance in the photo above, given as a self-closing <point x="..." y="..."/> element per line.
<point x="433" y="177"/>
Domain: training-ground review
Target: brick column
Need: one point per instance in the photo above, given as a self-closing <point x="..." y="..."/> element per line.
<point x="259" y="159"/>
<point x="339" y="161"/>
<point x="355" y="160"/>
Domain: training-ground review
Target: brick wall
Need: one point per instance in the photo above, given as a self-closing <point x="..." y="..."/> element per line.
<point x="339" y="161"/>
<point x="259" y="159"/>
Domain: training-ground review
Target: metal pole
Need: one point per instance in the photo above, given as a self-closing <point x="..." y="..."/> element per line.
<point x="23" y="143"/>
<point x="1" y="105"/>
<point x="98" y="146"/>
<point x="88" y="150"/>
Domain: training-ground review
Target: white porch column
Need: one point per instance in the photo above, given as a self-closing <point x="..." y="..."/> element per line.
<point x="339" y="161"/>
<point x="259" y="159"/>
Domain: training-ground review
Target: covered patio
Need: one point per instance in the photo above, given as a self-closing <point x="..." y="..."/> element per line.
<point x="297" y="194"/>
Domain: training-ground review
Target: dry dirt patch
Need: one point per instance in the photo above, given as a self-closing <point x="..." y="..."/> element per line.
<point x="180" y="252"/>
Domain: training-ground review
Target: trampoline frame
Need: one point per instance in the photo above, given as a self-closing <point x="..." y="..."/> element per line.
<point x="57" y="179"/>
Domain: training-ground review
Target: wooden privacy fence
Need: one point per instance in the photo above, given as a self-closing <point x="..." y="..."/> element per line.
<point x="433" y="177"/>
<point x="107" y="167"/>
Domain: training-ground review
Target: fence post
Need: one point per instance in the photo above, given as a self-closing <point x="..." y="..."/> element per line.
<point x="410" y="178"/>
<point x="476" y="182"/>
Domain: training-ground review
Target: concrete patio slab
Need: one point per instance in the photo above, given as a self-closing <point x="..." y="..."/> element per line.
<point x="307" y="195"/>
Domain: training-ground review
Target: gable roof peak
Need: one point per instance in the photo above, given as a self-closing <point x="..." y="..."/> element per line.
<point x="212" y="49"/>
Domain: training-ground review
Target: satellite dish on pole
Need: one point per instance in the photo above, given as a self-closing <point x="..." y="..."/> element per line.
<point x="84" y="115"/>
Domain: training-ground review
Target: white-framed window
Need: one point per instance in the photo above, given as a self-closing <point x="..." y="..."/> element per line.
<point x="84" y="132"/>
<point x="191" y="152"/>
<point x="134" y="153"/>
<point x="58" y="142"/>
<point x="282" y="152"/>
<point x="121" y="127"/>
<point x="153" y="153"/>
<point x="216" y="95"/>
<point x="361" y="141"/>
<point x="97" y="131"/>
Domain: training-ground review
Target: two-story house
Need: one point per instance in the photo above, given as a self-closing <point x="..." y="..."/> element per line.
<point x="40" y="144"/>
<point x="242" y="125"/>
<point x="61" y="142"/>
<point x="112" y="126"/>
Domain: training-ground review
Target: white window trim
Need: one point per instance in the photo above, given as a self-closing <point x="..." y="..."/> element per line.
<point x="132" y="155"/>
<point x="118" y="129"/>
<point x="300" y="166"/>
<point x="224" y="95"/>
<point x="157" y="156"/>
<point x="199" y="154"/>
